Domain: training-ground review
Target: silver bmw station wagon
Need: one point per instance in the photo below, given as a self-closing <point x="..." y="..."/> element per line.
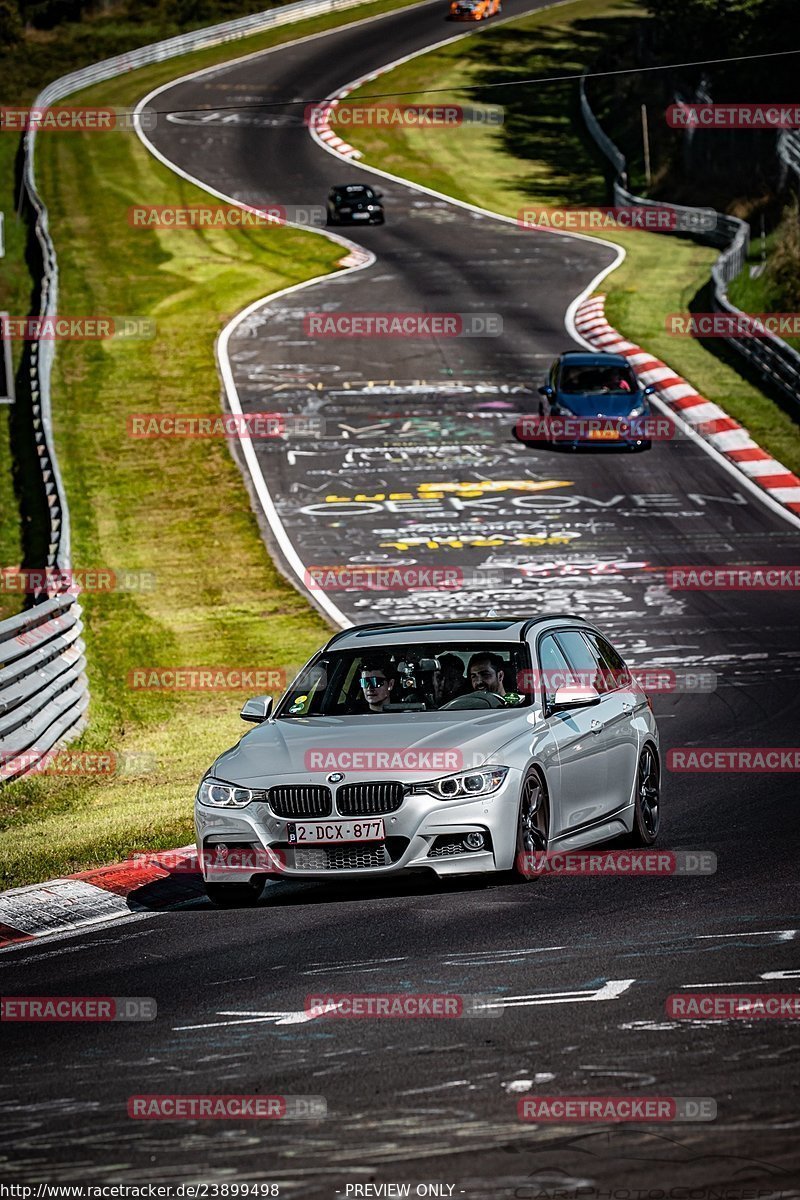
<point x="450" y="746"/>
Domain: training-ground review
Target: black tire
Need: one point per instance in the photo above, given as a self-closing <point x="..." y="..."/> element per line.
<point x="647" y="801"/>
<point x="533" y="826"/>
<point x="235" y="895"/>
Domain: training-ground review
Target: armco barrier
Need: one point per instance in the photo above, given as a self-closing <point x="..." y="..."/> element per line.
<point x="771" y="357"/>
<point x="43" y="688"/>
<point x="43" y="692"/>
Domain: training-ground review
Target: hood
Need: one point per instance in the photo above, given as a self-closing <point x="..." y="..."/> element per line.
<point x="612" y="404"/>
<point x="432" y="744"/>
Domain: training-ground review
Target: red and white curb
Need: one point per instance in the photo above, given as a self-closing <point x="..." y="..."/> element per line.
<point x="149" y="882"/>
<point x="727" y="436"/>
<point x="320" y="121"/>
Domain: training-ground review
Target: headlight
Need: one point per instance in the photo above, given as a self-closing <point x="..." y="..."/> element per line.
<point x="223" y="795"/>
<point x="468" y="783"/>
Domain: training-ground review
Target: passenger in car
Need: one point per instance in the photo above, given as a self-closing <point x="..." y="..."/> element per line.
<point x="487" y="673"/>
<point x="377" y="681"/>
<point x="450" y="681"/>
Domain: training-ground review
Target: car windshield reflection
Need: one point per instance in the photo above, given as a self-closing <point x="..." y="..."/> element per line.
<point x="389" y="680"/>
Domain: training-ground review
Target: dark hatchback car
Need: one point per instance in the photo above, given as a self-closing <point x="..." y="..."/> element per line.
<point x="354" y="203"/>
<point x="591" y="399"/>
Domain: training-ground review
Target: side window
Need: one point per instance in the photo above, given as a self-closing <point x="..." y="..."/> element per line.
<point x="584" y="659"/>
<point x="618" y="674"/>
<point x="555" y="670"/>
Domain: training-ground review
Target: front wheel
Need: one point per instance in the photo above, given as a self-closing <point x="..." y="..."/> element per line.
<point x="236" y="895"/>
<point x="533" y="827"/>
<point x="647" y="802"/>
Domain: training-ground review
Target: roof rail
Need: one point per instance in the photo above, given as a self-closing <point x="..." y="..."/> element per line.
<point x="526" y="622"/>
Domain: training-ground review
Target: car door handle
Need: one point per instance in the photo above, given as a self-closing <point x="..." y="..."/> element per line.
<point x="596" y="726"/>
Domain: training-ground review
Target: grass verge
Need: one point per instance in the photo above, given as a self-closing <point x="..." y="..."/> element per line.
<point x="177" y="509"/>
<point x="541" y="156"/>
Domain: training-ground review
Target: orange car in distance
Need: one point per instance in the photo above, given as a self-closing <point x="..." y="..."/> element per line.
<point x="473" y="10"/>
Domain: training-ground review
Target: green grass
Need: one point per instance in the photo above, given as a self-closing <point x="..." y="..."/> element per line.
<point x="178" y="509"/>
<point x="23" y="71"/>
<point x="774" y="287"/>
<point x="542" y="156"/>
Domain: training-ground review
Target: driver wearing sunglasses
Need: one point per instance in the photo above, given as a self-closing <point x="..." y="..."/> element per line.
<point x="376" y="682"/>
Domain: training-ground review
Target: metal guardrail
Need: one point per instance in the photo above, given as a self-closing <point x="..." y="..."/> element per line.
<point x="769" y="355"/>
<point x="44" y="692"/>
<point x="789" y="151"/>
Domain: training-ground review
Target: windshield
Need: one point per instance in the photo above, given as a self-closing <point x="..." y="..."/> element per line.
<point x="430" y="678"/>
<point x="356" y="193"/>
<point x="596" y="381"/>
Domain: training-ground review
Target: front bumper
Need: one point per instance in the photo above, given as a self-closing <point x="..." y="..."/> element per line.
<point x="373" y="218"/>
<point x="423" y="834"/>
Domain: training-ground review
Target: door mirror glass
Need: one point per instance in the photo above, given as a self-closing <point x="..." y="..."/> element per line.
<point x="575" y="696"/>
<point x="257" y="709"/>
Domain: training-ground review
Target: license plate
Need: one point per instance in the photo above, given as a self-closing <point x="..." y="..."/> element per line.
<point x="360" y="216"/>
<point x="315" y="833"/>
<point x="604" y="435"/>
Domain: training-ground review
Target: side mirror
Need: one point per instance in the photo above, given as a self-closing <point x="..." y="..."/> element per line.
<point x="256" y="709"/>
<point x="648" y="391"/>
<point x="546" y="390"/>
<point x="574" y="697"/>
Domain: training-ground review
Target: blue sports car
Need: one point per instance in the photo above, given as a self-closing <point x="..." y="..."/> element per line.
<point x="591" y="399"/>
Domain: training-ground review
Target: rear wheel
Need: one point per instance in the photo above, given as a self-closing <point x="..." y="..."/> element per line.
<point x="236" y="895"/>
<point x="533" y="827"/>
<point x="647" y="802"/>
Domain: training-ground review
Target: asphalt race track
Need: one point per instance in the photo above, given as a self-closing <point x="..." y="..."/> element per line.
<point x="580" y="968"/>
